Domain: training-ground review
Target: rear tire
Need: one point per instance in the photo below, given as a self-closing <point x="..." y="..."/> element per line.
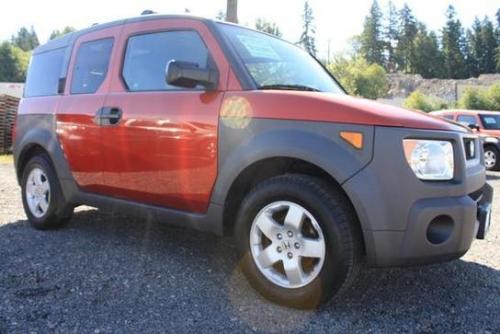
<point x="492" y="158"/>
<point x="327" y="222"/>
<point x="43" y="201"/>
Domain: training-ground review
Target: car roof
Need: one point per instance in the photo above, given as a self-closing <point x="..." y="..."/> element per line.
<point x="465" y="112"/>
<point x="68" y="39"/>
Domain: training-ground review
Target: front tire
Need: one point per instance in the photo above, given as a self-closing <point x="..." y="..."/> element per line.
<point x="43" y="201"/>
<point x="297" y="240"/>
<point x="492" y="158"/>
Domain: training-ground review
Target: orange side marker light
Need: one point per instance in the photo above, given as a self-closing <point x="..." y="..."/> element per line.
<point x="353" y="138"/>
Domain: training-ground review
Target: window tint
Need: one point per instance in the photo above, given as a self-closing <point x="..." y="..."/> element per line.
<point x="450" y="117"/>
<point x="491" y="122"/>
<point x="91" y="66"/>
<point x="44" y="72"/>
<point x="465" y="119"/>
<point x="147" y="57"/>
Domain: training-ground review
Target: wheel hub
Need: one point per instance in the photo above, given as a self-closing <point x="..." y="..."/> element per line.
<point x="490" y="159"/>
<point x="281" y="241"/>
<point x="38" y="192"/>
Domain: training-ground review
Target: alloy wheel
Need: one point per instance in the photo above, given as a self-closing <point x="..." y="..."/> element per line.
<point x="287" y="244"/>
<point x="38" y="192"/>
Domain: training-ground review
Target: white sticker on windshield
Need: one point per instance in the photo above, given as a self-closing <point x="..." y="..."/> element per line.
<point x="258" y="47"/>
<point x="490" y="120"/>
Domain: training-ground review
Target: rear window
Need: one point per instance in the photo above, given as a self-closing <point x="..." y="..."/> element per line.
<point x="44" y="73"/>
<point x="91" y="66"/>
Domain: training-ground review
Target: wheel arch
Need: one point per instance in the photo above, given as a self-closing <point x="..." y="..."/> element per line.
<point x="264" y="169"/>
<point x="29" y="151"/>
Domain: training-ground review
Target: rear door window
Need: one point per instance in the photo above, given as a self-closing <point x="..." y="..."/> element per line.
<point x="467" y="119"/>
<point x="147" y="56"/>
<point x="91" y="66"/>
<point x="44" y="73"/>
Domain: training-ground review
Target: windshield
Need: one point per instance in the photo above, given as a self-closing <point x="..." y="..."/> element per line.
<point x="491" y="122"/>
<point x="276" y="64"/>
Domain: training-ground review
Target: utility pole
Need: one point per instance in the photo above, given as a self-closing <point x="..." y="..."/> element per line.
<point x="232" y="11"/>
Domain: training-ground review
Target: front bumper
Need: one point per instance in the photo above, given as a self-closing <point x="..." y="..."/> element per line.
<point x="407" y="221"/>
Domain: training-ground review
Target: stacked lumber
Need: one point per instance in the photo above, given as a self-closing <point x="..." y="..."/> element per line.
<point x="8" y="112"/>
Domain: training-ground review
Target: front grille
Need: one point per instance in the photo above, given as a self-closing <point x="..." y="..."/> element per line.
<point x="470" y="148"/>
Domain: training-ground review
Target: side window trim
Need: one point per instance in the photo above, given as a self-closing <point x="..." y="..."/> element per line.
<point x="210" y="59"/>
<point x="105" y="76"/>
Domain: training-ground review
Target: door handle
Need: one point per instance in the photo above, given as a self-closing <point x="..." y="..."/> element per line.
<point x="107" y="116"/>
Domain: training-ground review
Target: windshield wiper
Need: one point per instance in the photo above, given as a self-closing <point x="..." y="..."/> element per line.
<point x="290" y="87"/>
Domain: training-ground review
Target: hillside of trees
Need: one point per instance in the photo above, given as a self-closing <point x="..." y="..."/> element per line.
<point x="398" y="41"/>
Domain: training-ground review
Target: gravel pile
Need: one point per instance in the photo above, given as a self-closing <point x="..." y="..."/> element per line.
<point x="108" y="273"/>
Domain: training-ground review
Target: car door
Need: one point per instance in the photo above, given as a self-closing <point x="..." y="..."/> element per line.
<point x="86" y="86"/>
<point x="163" y="151"/>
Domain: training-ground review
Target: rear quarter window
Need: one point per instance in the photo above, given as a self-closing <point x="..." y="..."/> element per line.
<point x="44" y="72"/>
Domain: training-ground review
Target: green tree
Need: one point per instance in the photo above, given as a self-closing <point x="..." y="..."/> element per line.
<point x="427" y="58"/>
<point x="26" y="39"/>
<point x="489" y="44"/>
<point x="391" y="36"/>
<point x="13" y="63"/>
<point x="498" y="42"/>
<point x="405" y="50"/>
<point x="221" y="15"/>
<point x="474" y="48"/>
<point x="481" y="99"/>
<point x="307" y="39"/>
<point x="498" y="59"/>
<point x="268" y="27"/>
<point x="58" y="33"/>
<point x="359" y="77"/>
<point x="421" y="102"/>
<point x="372" y="39"/>
<point x="453" y="42"/>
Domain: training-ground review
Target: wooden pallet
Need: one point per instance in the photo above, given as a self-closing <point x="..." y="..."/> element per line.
<point x="8" y="112"/>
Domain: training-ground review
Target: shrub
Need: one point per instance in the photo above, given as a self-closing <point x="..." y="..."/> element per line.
<point x="480" y="99"/>
<point x="359" y="77"/>
<point x="419" y="101"/>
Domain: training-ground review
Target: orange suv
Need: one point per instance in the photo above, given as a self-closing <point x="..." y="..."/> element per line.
<point x="487" y="125"/>
<point x="220" y="128"/>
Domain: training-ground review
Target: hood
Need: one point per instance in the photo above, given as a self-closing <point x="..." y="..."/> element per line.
<point x="328" y="107"/>
<point x="490" y="133"/>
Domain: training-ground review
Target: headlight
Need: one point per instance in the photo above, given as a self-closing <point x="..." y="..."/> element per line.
<point x="430" y="159"/>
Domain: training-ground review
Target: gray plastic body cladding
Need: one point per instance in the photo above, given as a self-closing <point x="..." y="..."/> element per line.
<point x="395" y="207"/>
<point x="40" y="129"/>
<point x="317" y="143"/>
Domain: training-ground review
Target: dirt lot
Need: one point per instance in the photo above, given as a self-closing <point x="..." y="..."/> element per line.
<point x="109" y="273"/>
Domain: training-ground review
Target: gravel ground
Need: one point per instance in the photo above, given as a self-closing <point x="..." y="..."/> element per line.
<point x="108" y="273"/>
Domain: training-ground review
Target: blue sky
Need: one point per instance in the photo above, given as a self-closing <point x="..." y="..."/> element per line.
<point x="336" y="21"/>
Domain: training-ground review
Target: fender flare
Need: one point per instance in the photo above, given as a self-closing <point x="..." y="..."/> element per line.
<point x="330" y="153"/>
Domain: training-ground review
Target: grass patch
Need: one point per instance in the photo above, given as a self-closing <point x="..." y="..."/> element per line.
<point x="6" y="159"/>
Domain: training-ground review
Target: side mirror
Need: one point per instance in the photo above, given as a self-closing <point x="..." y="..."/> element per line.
<point x="189" y="75"/>
<point x="473" y="127"/>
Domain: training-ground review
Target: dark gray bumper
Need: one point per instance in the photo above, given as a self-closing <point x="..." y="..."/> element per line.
<point x="407" y="221"/>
